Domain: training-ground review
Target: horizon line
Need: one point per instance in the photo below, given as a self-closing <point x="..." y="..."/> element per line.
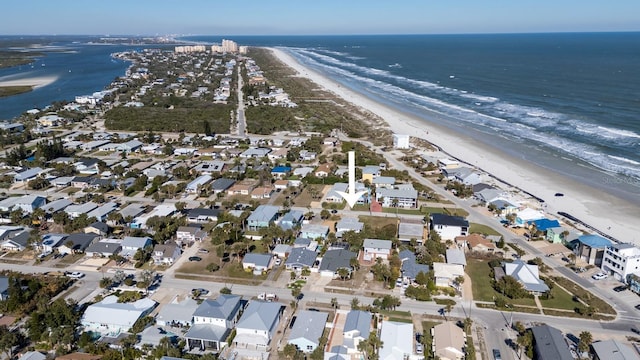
<point x="354" y="34"/>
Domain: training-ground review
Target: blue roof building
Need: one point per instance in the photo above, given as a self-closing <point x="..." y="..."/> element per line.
<point x="544" y="224"/>
<point x="591" y="248"/>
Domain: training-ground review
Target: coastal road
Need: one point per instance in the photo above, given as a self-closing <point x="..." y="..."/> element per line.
<point x="242" y="125"/>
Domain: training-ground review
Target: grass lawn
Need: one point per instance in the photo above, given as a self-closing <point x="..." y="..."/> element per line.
<point x="586" y="296"/>
<point x="482" y="229"/>
<point x="402" y="211"/>
<point x="378" y="222"/>
<point x="444" y="210"/>
<point x="479" y="272"/>
<point x="561" y="300"/>
<point x="304" y="198"/>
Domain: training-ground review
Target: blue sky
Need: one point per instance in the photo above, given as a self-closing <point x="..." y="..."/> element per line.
<point x="300" y="17"/>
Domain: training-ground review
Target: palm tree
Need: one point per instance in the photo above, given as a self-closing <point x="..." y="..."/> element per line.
<point x="585" y="341"/>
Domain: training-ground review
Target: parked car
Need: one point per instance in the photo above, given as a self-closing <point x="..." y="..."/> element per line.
<point x="195" y="258"/>
<point x="599" y="276"/>
<point x="419" y="348"/>
<point x="278" y="261"/>
<point x="637" y="307"/>
<point x="200" y="292"/>
<point x="75" y="275"/>
<point x="635" y="330"/>
<point x="496" y="354"/>
<point x="203" y="251"/>
<point x="620" y="288"/>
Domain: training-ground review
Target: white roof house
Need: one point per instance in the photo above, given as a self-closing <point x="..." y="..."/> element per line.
<point x="109" y="317"/>
<point x="307" y="330"/>
<point x="445" y="274"/>
<point x="397" y="341"/>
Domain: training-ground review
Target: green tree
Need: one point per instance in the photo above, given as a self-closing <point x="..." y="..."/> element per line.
<point x="585" y="341"/>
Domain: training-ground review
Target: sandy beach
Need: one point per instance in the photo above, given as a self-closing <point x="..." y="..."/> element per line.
<point x="607" y="213"/>
<point x="34" y="82"/>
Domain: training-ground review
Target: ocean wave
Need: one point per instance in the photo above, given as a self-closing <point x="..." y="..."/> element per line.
<point x="520" y="123"/>
<point x="396" y="65"/>
<point x="486" y="99"/>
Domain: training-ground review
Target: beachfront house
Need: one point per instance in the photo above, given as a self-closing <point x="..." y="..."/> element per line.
<point x="591" y="248"/>
<point x="621" y="260"/>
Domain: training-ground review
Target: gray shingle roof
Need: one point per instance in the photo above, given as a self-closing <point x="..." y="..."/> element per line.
<point x="309" y="325"/>
<point x="550" y="344"/>
<point x="260" y="315"/>
<point x="301" y="257"/>
<point x="224" y="306"/>
<point x="336" y="259"/>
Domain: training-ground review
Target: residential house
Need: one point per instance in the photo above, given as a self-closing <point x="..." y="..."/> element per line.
<point x="202" y="215"/>
<point x="262" y="216"/>
<point x="16" y="240"/>
<point x="27" y="175"/>
<point x="384" y="182"/>
<point x="527" y="215"/>
<point x="613" y="349"/>
<point x="166" y="254"/>
<point x="259" y="263"/>
<point x="261" y="192"/>
<point x="323" y="171"/>
<point x="281" y="184"/>
<point x="408" y="231"/>
<point x="258" y="325"/>
<point x="376" y="248"/>
<point x="300" y="258"/>
<point x="543" y="225"/>
<point x="77" y="243"/>
<point x="448" y="341"/>
<point x="476" y="243"/>
<point x="621" y="260"/>
<point x="280" y="171"/>
<point x="449" y="227"/>
<point x="255" y="152"/>
<point x="401" y="141"/>
<point x="397" y="341"/>
<point x="76" y="210"/>
<point x="446" y="274"/>
<point x="178" y="312"/>
<point x="111" y="318"/>
<point x="240" y="189"/>
<point x="526" y="274"/>
<point x="187" y="235"/>
<point x="33" y="355"/>
<point x="402" y="196"/>
<point x="50" y="241"/>
<point x="104" y="248"/>
<point x="370" y="172"/>
<point x="281" y="250"/>
<point x="456" y="256"/>
<point x="221" y="185"/>
<point x="333" y="260"/>
<point x="291" y="219"/>
<point x="98" y="228"/>
<point x="161" y="210"/>
<point x="131" y="245"/>
<point x="28" y="203"/>
<point x="55" y="206"/>
<point x="410" y="268"/>
<point x="314" y="231"/>
<point x="591" y="249"/>
<point x="213" y="321"/>
<point x="348" y="224"/>
<point x="302" y="171"/>
<point x="357" y="327"/>
<point x="307" y="330"/>
<point x="330" y="141"/>
<point x="556" y="234"/>
<point x="549" y="344"/>
<point x="198" y="184"/>
<point x="333" y="195"/>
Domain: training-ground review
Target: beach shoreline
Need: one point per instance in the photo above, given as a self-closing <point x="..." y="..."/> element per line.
<point x="609" y="214"/>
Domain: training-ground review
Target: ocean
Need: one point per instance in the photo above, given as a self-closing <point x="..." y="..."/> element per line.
<point x="569" y="102"/>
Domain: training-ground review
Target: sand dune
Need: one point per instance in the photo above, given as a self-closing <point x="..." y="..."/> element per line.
<point x="611" y="215"/>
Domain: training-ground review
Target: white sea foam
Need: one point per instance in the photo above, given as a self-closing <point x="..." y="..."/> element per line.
<point x="519" y="122"/>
